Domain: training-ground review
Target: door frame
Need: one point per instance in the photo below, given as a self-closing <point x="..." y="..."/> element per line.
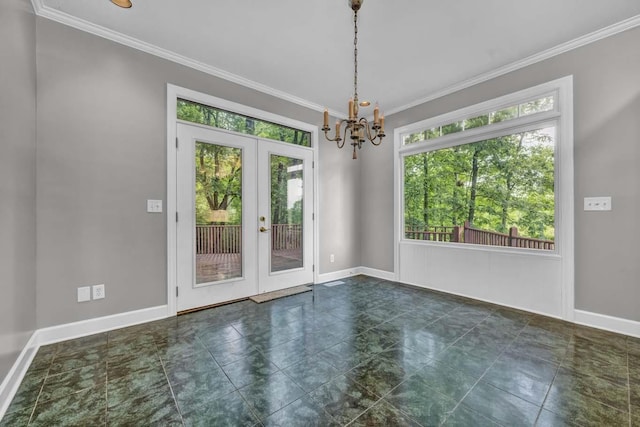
<point x="173" y="93"/>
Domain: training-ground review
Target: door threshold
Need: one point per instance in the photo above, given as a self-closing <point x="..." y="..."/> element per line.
<point x="206" y="307"/>
<point x="268" y="296"/>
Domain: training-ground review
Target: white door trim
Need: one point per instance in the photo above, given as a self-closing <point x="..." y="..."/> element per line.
<point x="173" y="93"/>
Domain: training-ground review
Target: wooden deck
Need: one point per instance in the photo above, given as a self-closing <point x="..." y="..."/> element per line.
<point x="216" y="267"/>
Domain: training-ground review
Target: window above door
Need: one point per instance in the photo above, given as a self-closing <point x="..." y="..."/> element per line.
<point x="215" y="117"/>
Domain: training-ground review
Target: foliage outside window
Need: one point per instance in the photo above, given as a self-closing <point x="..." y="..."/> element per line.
<point x="535" y="106"/>
<point x="218" y="184"/>
<point x="210" y="116"/>
<point x="498" y="191"/>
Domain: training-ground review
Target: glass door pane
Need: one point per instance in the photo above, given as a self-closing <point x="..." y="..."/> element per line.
<point x="287" y="185"/>
<point x="218" y="212"/>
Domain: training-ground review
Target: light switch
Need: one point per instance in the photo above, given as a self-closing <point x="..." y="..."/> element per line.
<point x="84" y="294"/>
<point x="154" y="206"/>
<point x="597" y="203"/>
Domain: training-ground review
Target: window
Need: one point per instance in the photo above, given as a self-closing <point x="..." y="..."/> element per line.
<point x="539" y="105"/>
<point x="485" y="175"/>
<point x="215" y="117"/>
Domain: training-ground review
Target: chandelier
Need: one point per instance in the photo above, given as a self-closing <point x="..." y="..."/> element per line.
<point x="359" y="129"/>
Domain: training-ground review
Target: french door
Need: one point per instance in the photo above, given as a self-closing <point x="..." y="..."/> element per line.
<point x="245" y="212"/>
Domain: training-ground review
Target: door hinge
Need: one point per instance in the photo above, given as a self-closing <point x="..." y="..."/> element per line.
<point x="176" y="292"/>
<point x="313" y="165"/>
<point x="313" y="268"/>
<point x="176" y="142"/>
<point x="313" y="217"/>
<point x="176" y="216"/>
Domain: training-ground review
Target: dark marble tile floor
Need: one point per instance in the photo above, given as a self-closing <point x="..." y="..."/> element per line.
<point x="365" y="353"/>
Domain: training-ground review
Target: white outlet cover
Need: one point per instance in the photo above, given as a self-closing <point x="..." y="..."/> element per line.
<point x="98" y="291"/>
<point x="84" y="294"/>
<point x="154" y="206"/>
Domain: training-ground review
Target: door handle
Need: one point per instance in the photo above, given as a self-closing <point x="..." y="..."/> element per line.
<point x="264" y="230"/>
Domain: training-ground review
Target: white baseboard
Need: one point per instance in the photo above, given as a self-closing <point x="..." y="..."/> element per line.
<point x="380" y="274"/>
<point x="608" y="323"/>
<point x="83" y="328"/>
<point x="337" y="275"/>
<point x="12" y="381"/>
<point x="68" y="331"/>
<point x="349" y="272"/>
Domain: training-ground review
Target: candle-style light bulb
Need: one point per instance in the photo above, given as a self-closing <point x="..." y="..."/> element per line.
<point x="326" y="118"/>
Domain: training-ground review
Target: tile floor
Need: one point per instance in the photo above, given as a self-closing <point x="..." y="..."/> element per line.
<point x="365" y="353"/>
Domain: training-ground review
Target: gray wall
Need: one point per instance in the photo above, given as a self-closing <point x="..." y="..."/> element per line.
<point x="102" y="153"/>
<point x="606" y="152"/>
<point x="17" y="179"/>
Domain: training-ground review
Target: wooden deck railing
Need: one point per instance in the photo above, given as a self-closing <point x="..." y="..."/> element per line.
<point x="218" y="239"/>
<point x="286" y="236"/>
<point x="435" y="234"/>
<point x="468" y="234"/>
<point x="227" y="239"/>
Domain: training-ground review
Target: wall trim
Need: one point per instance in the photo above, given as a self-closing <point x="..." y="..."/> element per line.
<point x="337" y="275"/>
<point x="96" y="325"/>
<point x="12" y="381"/>
<point x="68" y="331"/>
<point x="349" y="272"/>
<point x="379" y="274"/>
<point x="58" y="333"/>
<point x="576" y="43"/>
<point x="64" y="18"/>
<point x="608" y="323"/>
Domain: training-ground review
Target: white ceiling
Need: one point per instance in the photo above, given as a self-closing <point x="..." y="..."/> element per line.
<point x="409" y="50"/>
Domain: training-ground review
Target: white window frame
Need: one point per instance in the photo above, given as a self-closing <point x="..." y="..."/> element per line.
<point x="561" y="116"/>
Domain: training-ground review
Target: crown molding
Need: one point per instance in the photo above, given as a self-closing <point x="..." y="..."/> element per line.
<point x="55" y="15"/>
<point x="603" y="33"/>
<point x="63" y="18"/>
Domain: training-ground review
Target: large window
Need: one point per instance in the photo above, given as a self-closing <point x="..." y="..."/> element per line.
<point x="483" y="176"/>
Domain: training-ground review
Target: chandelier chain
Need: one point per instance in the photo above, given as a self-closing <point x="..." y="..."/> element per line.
<point x="355" y="55"/>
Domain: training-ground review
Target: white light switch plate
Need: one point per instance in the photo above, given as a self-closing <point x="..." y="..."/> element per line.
<point x="84" y="294"/>
<point x="597" y="203"/>
<point x="154" y="206"/>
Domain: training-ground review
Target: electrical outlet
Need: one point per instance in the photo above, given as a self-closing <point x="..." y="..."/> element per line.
<point x="332" y="258"/>
<point x="84" y="294"/>
<point x="98" y="291"/>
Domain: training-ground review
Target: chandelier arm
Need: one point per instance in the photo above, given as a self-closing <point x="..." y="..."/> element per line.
<point x="365" y="125"/>
<point x="371" y="137"/>
<point x="339" y="141"/>
<point x="377" y="137"/>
